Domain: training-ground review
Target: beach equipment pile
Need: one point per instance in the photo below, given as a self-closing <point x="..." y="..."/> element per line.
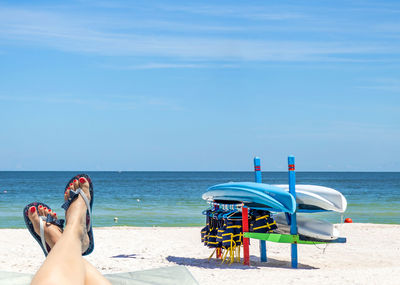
<point x="224" y="231"/>
<point x="243" y="210"/>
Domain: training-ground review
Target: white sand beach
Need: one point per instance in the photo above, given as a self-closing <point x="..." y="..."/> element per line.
<point x="370" y="256"/>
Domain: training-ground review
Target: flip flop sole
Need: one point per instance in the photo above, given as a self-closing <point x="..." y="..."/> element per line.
<point x="29" y="224"/>
<point x="90" y="232"/>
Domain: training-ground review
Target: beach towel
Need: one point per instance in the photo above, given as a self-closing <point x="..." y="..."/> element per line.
<point x="164" y="275"/>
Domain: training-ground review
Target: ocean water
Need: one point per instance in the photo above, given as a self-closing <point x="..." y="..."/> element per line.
<point x="174" y="198"/>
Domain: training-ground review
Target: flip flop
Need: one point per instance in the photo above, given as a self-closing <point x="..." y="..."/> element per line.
<point x="49" y="219"/>
<point x="89" y="204"/>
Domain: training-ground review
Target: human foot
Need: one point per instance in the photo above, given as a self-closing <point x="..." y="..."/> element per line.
<point x="78" y="201"/>
<point x="36" y="214"/>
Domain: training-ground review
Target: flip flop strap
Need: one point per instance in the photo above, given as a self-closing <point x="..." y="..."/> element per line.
<point x="43" y="240"/>
<point x="51" y="220"/>
<point x="72" y="197"/>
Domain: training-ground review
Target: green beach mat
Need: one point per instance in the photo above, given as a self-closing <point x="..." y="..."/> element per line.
<point x="14" y="278"/>
<point x="285" y="238"/>
<point x="164" y="275"/>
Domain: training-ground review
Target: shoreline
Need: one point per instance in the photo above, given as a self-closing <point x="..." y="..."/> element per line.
<point x="370" y="255"/>
<point x="193" y="226"/>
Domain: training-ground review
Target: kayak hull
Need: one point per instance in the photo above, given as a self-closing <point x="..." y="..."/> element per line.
<point x="319" y="197"/>
<point x="273" y="197"/>
<point x="309" y="227"/>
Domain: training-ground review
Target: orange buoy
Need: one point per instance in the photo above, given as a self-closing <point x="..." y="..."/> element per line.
<point x="348" y="220"/>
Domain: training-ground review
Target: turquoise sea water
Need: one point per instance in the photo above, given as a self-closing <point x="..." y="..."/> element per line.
<point x="174" y="198"/>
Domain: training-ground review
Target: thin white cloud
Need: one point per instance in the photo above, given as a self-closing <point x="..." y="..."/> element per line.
<point x="334" y="130"/>
<point x="114" y="102"/>
<point x="383" y="84"/>
<point x="235" y="11"/>
<point x="153" y="65"/>
<point x="100" y="43"/>
<point x="82" y="35"/>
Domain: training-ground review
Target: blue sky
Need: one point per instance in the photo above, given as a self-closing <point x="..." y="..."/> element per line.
<point x="199" y="85"/>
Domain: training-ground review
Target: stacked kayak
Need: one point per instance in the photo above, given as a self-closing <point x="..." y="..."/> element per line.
<point x="250" y="193"/>
<point x="277" y="199"/>
<point x="313" y="197"/>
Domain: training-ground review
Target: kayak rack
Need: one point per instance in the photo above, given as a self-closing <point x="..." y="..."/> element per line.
<point x="293" y="238"/>
<point x="227" y="207"/>
<point x="226" y="203"/>
<point x="284" y="238"/>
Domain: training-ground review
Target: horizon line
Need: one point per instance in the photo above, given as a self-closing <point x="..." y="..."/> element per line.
<point x="188" y="171"/>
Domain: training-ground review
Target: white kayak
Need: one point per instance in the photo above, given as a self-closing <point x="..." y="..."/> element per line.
<point x="313" y="228"/>
<point x="309" y="197"/>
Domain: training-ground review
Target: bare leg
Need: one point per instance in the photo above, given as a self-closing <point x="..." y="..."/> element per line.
<point x="65" y="264"/>
<point x="53" y="234"/>
<point x="93" y="276"/>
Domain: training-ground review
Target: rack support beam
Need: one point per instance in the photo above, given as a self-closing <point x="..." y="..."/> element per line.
<point x="293" y="225"/>
<point x="246" y="241"/>
<point x="258" y="179"/>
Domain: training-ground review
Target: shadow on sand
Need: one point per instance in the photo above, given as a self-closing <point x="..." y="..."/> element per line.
<point x="254" y="262"/>
<point x="124" y="256"/>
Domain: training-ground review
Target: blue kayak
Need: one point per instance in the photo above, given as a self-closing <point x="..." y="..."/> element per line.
<point x="275" y="198"/>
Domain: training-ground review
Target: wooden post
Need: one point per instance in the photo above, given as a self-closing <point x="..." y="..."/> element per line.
<point x="258" y="179"/>
<point x="293" y="225"/>
<point x="246" y="242"/>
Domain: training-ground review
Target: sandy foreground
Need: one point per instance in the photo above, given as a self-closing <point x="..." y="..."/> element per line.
<point x="370" y="256"/>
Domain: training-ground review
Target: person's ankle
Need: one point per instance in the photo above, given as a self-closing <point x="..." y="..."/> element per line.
<point x="75" y="227"/>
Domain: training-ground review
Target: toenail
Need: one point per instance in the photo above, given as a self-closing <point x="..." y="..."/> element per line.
<point x="45" y="208"/>
<point x="71" y="184"/>
<point x="32" y="209"/>
<point x="75" y="181"/>
<point x="40" y="206"/>
<point x="82" y="180"/>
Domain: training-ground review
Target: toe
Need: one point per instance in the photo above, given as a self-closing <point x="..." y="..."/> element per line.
<point x="85" y="186"/>
<point x="32" y="213"/>
<point x="83" y="182"/>
<point x="75" y="183"/>
<point x="47" y="211"/>
<point x="41" y="210"/>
